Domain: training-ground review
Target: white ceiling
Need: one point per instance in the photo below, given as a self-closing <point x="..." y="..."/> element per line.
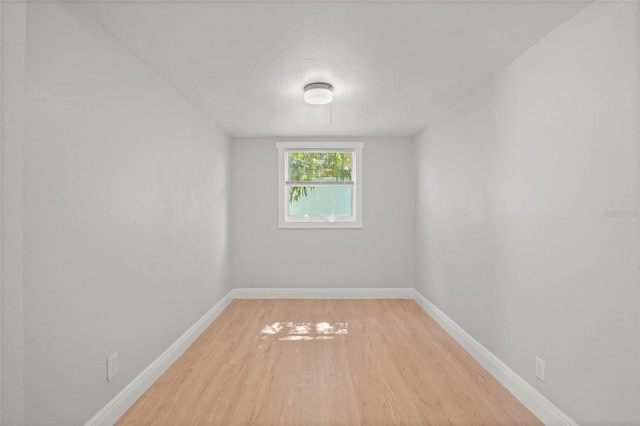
<point x="394" y="65"/>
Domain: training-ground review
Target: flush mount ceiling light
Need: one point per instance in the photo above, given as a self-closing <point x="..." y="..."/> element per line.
<point x="318" y="93"/>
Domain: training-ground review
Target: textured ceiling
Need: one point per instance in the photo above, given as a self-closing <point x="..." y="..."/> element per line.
<point x="394" y="65"/>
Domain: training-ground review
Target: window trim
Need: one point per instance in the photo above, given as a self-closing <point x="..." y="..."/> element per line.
<point x="354" y="221"/>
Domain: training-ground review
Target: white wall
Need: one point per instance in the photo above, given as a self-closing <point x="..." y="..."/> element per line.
<point x="514" y="244"/>
<point x="12" y="52"/>
<point x="379" y="255"/>
<point x="125" y="214"/>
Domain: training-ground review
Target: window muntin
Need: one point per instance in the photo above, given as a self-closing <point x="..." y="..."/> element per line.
<point x="320" y="185"/>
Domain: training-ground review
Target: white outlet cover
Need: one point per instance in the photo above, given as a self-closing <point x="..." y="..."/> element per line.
<point x="540" y="368"/>
<point x="112" y="366"/>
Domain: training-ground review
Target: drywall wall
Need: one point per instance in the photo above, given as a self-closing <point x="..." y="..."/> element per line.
<point x="527" y="214"/>
<point x="12" y="51"/>
<point x="381" y="254"/>
<point x="125" y="214"/>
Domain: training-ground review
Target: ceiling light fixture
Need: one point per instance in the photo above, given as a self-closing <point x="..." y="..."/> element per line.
<point x="318" y="93"/>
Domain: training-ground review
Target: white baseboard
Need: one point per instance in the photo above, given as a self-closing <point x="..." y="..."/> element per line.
<point x="111" y="412"/>
<point x="540" y="406"/>
<point x="323" y="293"/>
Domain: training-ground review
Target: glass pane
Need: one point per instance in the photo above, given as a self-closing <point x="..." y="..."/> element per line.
<point x="310" y="201"/>
<point x="320" y="166"/>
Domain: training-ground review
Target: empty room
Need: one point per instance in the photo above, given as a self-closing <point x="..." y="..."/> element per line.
<point x="320" y="212"/>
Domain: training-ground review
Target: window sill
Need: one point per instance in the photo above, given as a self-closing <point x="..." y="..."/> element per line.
<point x="321" y="225"/>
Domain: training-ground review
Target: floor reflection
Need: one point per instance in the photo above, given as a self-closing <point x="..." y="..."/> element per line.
<point x="297" y="331"/>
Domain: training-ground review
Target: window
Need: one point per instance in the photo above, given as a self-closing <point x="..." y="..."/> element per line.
<point x="320" y="184"/>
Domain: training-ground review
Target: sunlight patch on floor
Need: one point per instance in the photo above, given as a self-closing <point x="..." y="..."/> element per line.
<point x="303" y="331"/>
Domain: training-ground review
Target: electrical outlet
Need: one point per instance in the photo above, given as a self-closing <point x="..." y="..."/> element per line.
<point x="112" y="366"/>
<point x="540" y="368"/>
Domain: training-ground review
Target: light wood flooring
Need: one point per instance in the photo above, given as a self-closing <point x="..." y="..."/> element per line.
<point x="326" y="362"/>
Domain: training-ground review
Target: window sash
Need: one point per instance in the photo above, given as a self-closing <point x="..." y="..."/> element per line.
<point x="316" y="182"/>
<point x="320" y="219"/>
<point x="320" y="183"/>
<point x="324" y="218"/>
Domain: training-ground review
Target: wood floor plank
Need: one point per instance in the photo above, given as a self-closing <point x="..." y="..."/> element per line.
<point x="326" y="362"/>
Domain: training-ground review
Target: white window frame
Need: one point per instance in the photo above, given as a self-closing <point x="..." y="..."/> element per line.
<point x="325" y="222"/>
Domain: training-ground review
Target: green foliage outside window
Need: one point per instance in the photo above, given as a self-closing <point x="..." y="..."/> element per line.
<point x="317" y="167"/>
